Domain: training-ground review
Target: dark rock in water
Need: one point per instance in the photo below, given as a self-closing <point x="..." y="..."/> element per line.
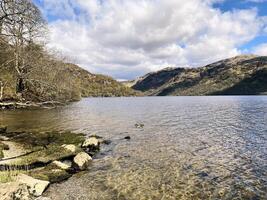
<point x="95" y="136"/>
<point x="3" y="129"/>
<point x="106" y="142"/>
<point x="203" y="174"/>
<point x="139" y="125"/>
<point x="127" y="138"/>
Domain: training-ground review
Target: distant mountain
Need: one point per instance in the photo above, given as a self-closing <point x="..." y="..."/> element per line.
<point x="241" y="75"/>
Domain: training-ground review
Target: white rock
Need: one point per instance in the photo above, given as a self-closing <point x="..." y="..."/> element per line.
<point x="43" y="198"/>
<point x="82" y="160"/>
<point x="70" y="147"/>
<point x="92" y="141"/>
<point x="14" y="190"/>
<point x="36" y="187"/>
<point x="61" y="165"/>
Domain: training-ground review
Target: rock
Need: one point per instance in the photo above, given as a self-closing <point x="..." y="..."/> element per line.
<point x="106" y="142"/>
<point x="91" y="145"/>
<point x="127" y="138"/>
<point x="3" y="129"/>
<point x="91" y="142"/>
<point x="67" y="162"/>
<point x="70" y="147"/>
<point x="14" y="190"/>
<point x="50" y="173"/>
<point x="139" y="125"/>
<point x="43" y="198"/>
<point x="82" y="160"/>
<point x="61" y="165"/>
<point x="36" y="187"/>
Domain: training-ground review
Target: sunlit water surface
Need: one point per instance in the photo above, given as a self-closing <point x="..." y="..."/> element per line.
<point x="189" y="148"/>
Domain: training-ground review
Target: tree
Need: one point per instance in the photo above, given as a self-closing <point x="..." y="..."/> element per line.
<point x="21" y="27"/>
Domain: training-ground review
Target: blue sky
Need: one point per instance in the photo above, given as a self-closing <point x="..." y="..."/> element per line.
<point x="229" y="5"/>
<point x="127" y="38"/>
<point x="260" y="5"/>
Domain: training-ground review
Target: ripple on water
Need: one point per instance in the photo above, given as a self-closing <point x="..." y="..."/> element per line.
<point x="190" y="147"/>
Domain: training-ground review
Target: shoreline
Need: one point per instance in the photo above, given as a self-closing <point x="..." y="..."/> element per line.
<point x="31" y="162"/>
<point x="12" y="105"/>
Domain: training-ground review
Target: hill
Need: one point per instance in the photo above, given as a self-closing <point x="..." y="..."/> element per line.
<point x="48" y="79"/>
<point x="241" y="75"/>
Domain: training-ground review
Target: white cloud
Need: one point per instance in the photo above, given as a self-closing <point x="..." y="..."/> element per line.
<point x="256" y="1"/>
<point x="261" y="50"/>
<point x="127" y="38"/>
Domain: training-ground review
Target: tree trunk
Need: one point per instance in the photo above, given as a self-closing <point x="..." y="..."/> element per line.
<point x="1" y="27"/>
<point x="20" y="85"/>
<point x="1" y="90"/>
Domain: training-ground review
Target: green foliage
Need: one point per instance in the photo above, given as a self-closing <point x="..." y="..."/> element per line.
<point x="10" y="175"/>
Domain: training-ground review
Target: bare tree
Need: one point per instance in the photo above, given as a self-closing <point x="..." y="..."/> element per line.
<point x="21" y="25"/>
<point x="2" y="87"/>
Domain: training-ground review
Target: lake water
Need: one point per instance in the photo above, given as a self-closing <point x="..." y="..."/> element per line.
<point x="189" y="148"/>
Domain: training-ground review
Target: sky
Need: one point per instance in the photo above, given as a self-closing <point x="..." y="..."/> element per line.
<point x="129" y="38"/>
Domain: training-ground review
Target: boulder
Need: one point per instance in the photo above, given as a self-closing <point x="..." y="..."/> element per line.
<point x="72" y="148"/>
<point x="82" y="160"/>
<point x="91" y="142"/>
<point x="91" y="145"/>
<point x="61" y="165"/>
<point x="36" y="187"/>
<point x="14" y="190"/>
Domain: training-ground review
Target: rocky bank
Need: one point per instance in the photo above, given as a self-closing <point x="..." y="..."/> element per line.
<point x="31" y="161"/>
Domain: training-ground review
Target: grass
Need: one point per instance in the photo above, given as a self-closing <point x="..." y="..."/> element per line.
<point x="11" y="174"/>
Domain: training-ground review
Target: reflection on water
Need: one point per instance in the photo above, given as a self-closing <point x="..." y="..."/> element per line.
<point x="190" y="147"/>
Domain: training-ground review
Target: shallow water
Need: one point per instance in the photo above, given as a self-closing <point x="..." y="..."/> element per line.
<point x="189" y="148"/>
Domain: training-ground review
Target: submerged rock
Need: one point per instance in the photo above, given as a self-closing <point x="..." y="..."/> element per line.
<point x="106" y="142"/>
<point x="36" y="187"/>
<point x="139" y="125"/>
<point x="82" y="160"/>
<point x="127" y="138"/>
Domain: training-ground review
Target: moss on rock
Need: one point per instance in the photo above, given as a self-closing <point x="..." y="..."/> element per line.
<point x="45" y="156"/>
<point x="42" y="139"/>
<point x="50" y="173"/>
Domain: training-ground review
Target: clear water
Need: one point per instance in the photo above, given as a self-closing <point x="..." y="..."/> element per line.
<point x="189" y="148"/>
